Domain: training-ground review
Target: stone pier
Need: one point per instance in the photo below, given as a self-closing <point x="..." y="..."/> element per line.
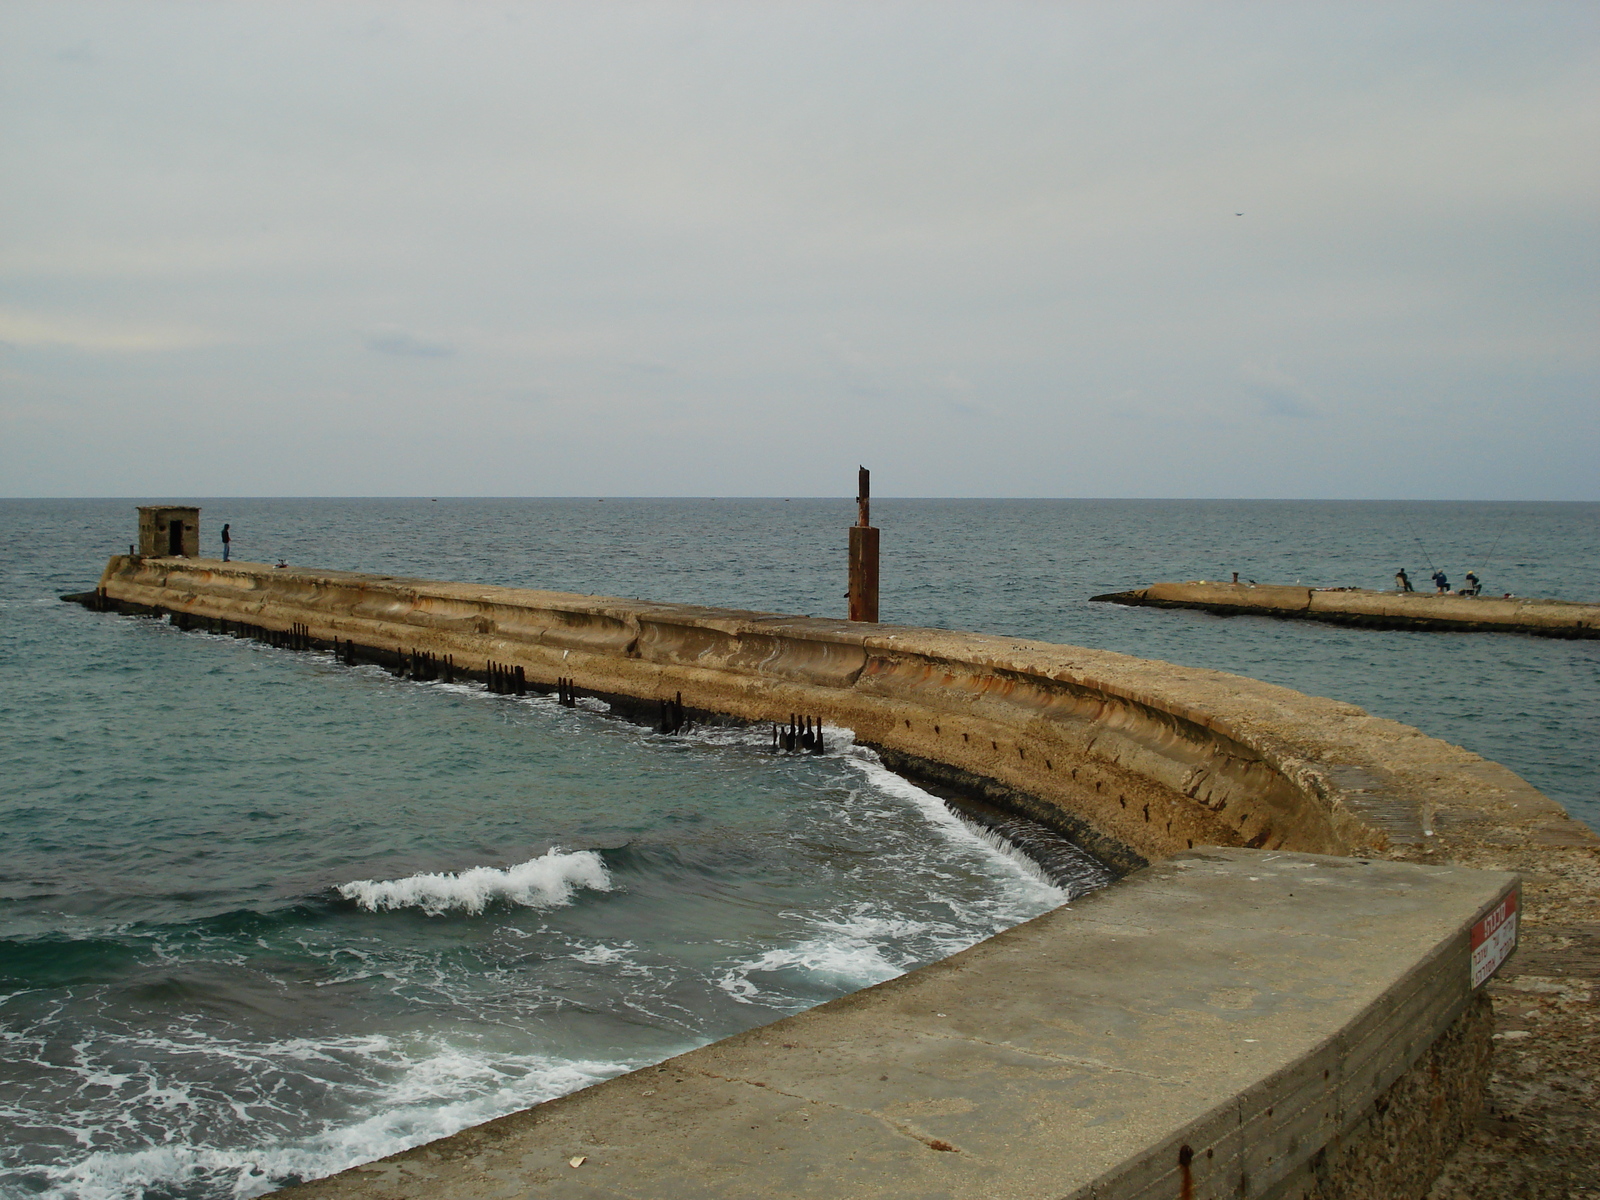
<point x="1284" y="996"/>
<point x="1447" y="612"/>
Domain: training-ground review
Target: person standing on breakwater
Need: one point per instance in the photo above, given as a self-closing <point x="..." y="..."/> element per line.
<point x="1403" y="581"/>
<point x="227" y="544"/>
<point x="1440" y="582"/>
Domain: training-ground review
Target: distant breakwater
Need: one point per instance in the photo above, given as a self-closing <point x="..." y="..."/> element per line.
<point x="1446" y="612"/>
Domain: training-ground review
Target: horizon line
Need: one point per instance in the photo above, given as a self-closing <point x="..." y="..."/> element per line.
<point x="841" y="497"/>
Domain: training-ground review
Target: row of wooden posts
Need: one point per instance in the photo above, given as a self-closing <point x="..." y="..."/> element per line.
<point x="296" y="637"/>
<point x="425" y="666"/>
<point x="802" y="734"/>
<point x="673" y="716"/>
<point x="506" y="681"/>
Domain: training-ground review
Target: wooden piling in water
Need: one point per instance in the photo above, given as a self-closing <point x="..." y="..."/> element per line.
<point x="863" y="592"/>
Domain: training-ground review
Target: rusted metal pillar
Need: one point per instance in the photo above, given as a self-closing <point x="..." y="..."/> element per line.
<point x="863" y="554"/>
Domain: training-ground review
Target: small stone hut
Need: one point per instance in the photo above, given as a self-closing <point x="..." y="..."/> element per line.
<point x="169" y="531"/>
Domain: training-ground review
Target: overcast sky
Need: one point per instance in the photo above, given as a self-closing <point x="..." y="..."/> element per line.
<point x="988" y="249"/>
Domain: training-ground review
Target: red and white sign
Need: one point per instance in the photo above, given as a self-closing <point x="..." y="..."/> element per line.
<point x="1493" y="939"/>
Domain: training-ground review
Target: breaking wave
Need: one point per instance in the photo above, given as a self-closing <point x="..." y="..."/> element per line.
<point x="849" y="952"/>
<point x="544" y="882"/>
<point x="415" y="1093"/>
<point x="1028" y="876"/>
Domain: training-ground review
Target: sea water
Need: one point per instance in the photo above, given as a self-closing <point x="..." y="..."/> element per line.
<point x="263" y="916"/>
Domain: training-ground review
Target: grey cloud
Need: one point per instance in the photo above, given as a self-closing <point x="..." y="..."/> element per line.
<point x="405" y="345"/>
<point x="1279" y="402"/>
<point x="1285" y="405"/>
<point x="1278" y="393"/>
<point x="529" y="395"/>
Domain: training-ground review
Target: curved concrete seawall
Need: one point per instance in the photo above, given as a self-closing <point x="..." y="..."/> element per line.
<point x="1250" y="1021"/>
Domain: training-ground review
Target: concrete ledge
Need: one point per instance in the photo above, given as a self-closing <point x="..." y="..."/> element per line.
<point x="1373" y="610"/>
<point x="1207" y="1027"/>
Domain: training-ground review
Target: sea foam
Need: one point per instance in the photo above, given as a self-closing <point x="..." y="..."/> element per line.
<point x="438" y="1090"/>
<point x="851" y="951"/>
<point x="1029" y="883"/>
<point x="544" y="882"/>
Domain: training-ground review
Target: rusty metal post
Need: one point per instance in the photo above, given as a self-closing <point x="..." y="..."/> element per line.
<point x="863" y="554"/>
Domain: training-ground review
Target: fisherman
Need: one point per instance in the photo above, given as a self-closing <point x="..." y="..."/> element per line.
<point x="1402" y="581"/>
<point x="1440" y="582"/>
<point x="1474" y="585"/>
<point x="227" y="544"/>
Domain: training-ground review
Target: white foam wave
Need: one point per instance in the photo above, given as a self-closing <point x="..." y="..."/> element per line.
<point x="603" y="955"/>
<point x="861" y="948"/>
<point x="758" y="736"/>
<point x="444" y="1090"/>
<point x="1032" y="886"/>
<point x="850" y="952"/>
<point x="544" y="882"/>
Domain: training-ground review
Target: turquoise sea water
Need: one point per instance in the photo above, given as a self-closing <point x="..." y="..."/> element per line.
<point x="263" y="916"/>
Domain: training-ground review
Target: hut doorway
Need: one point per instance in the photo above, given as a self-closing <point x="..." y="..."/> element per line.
<point x="169" y="530"/>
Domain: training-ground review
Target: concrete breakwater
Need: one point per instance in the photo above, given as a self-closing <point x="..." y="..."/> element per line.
<point x="1374" y="610"/>
<point x="1242" y="1018"/>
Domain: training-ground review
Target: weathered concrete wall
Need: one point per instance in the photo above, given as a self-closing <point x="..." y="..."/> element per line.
<point x="1156" y="757"/>
<point x="1220" y="1025"/>
<point x="1157" y="760"/>
<point x="1376" y="610"/>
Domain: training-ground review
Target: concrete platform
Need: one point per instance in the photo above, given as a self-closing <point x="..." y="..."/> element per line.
<point x="1208" y="1027"/>
<point x="1373" y="610"/>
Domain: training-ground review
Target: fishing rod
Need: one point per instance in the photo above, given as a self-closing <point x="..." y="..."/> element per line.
<point x="1417" y="538"/>
<point x="1504" y="521"/>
